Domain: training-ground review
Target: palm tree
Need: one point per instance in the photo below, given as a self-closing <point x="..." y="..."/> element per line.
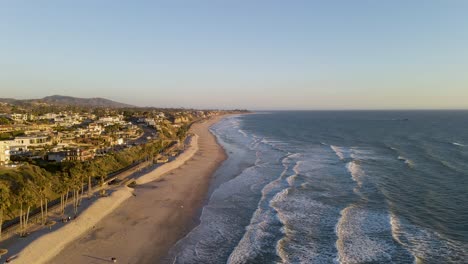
<point x="75" y="182"/>
<point x="24" y="198"/>
<point x="61" y="187"/>
<point x="19" y="199"/>
<point x="102" y="180"/>
<point x="90" y="169"/>
<point x="4" y="202"/>
<point x="48" y="186"/>
<point x="83" y="176"/>
<point x="29" y="199"/>
<point x="77" y="175"/>
<point x="67" y="184"/>
<point x="43" y="184"/>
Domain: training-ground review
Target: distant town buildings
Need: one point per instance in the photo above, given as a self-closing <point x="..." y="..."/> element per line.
<point x="78" y="136"/>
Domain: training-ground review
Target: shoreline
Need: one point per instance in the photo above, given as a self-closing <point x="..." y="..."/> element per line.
<point x="147" y="223"/>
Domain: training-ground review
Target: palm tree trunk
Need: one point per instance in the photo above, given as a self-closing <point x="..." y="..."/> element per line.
<point x="66" y="200"/>
<point x="77" y="192"/>
<point x="45" y="218"/>
<point x="78" y="198"/>
<point x="62" y="200"/>
<point x="102" y="186"/>
<point x="89" y="186"/>
<point x="21" y="219"/>
<point x="27" y="218"/>
<point x="1" y="221"/>
<point x="75" y="201"/>
<point x="42" y="212"/>
<point x="82" y="191"/>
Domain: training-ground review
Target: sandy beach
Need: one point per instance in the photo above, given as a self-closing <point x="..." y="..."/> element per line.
<point x="137" y="225"/>
<point x="144" y="227"/>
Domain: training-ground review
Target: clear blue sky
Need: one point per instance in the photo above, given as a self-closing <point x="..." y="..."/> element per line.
<point x="248" y="54"/>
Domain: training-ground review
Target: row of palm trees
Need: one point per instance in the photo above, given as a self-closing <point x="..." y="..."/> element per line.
<point x="32" y="187"/>
<point x="37" y="187"/>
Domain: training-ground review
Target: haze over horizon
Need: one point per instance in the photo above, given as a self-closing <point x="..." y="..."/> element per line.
<point x="242" y="54"/>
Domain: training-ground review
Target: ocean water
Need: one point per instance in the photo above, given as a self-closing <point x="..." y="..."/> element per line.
<point x="336" y="187"/>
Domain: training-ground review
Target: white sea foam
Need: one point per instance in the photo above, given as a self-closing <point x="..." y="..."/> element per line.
<point x="340" y="152"/>
<point x="360" y="235"/>
<point x="255" y="142"/>
<point x="357" y="173"/>
<point x="242" y="132"/>
<point x="360" y="231"/>
<point x="427" y="246"/>
<point x="276" y="144"/>
<point x="307" y="226"/>
<point x="273" y="142"/>
<point x="256" y="238"/>
<point x="345" y="153"/>
<point x="308" y="223"/>
<point x="297" y="167"/>
<point x="291" y="179"/>
<point x="362" y="153"/>
<point x="262" y="230"/>
<point x="458" y="144"/>
<point x="408" y="162"/>
<point x="221" y="220"/>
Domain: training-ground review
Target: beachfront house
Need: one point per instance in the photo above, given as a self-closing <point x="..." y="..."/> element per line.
<point x="4" y="152"/>
<point x="79" y="154"/>
<point x="32" y="141"/>
<point x="76" y="154"/>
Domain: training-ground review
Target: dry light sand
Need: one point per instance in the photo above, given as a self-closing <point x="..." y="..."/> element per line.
<point x="141" y="228"/>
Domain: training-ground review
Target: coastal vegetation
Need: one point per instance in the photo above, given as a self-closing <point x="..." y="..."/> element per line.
<point x="182" y="131"/>
<point x="32" y="186"/>
<point x="5" y="121"/>
<point x="11" y="135"/>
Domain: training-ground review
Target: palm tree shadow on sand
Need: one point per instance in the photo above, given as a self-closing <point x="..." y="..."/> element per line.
<point x="99" y="258"/>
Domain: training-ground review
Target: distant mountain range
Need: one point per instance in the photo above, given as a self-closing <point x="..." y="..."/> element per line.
<point x="68" y="100"/>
